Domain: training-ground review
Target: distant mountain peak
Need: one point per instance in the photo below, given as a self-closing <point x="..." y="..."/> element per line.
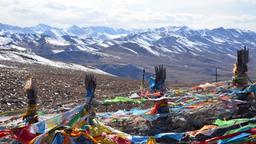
<point x="76" y="30"/>
<point x="74" y="27"/>
<point x="43" y="26"/>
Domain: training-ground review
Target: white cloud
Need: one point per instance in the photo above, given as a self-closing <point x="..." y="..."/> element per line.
<point x="131" y="13"/>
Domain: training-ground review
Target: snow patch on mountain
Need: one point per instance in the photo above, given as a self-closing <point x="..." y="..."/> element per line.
<point x="232" y="56"/>
<point x="115" y="36"/>
<point x="57" y="51"/>
<point x="167" y="50"/>
<point x="35" y="59"/>
<point x="4" y="40"/>
<point x="18" y="48"/>
<point x="103" y="45"/>
<point x="57" y="42"/>
<point x="144" y="44"/>
<point x="3" y="65"/>
<point x="130" y="50"/>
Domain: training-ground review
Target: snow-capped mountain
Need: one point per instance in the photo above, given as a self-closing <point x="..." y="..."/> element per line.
<point x="178" y="40"/>
<point x="181" y="49"/>
<point x="99" y="32"/>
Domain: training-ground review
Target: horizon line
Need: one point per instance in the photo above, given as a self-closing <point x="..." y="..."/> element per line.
<point x="114" y="27"/>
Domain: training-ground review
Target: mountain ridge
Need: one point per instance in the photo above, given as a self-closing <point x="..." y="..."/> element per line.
<point x="181" y="49"/>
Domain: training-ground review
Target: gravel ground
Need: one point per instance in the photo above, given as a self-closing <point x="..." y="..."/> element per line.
<point x="56" y="87"/>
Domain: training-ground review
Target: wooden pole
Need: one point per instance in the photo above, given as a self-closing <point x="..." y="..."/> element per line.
<point x="216" y="74"/>
<point x="143" y="79"/>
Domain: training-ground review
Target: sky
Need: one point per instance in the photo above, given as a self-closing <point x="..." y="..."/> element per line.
<point x="131" y="14"/>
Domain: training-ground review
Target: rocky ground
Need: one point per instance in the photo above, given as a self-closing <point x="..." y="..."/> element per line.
<point x="56" y="87"/>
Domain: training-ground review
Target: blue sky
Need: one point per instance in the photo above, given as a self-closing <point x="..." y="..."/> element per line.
<point x="131" y="13"/>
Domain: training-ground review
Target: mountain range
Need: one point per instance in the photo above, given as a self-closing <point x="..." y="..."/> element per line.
<point x="189" y="55"/>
